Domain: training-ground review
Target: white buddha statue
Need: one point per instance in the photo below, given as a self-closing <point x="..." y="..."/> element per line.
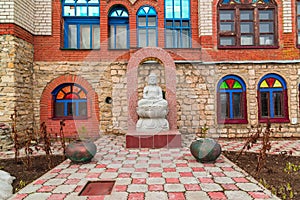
<point x="152" y="94"/>
<point x="152" y="108"/>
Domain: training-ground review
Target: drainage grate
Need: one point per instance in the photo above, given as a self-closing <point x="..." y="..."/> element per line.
<point x="93" y="188"/>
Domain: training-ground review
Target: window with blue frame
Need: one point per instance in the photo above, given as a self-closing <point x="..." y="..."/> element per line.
<point x="118" y="28"/>
<point x="147" y="27"/>
<point x="81" y="24"/>
<point x="231" y="98"/>
<point x="177" y="24"/>
<point x="298" y="22"/>
<point x="272" y="96"/>
<point x="70" y="101"/>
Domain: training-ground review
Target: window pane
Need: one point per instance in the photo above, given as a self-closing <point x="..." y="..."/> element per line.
<point x="246" y="15"/>
<point x="121" y="37"/>
<point x="112" y="35"/>
<point x="69" y="11"/>
<point x="266" y="40"/>
<point x="93" y="1"/>
<point x="151" y="21"/>
<point x="142" y="21"/>
<point x="59" y="109"/>
<point x="246" y="27"/>
<point x="185" y="24"/>
<point x="69" y="1"/>
<point x="82" y="109"/>
<point x="85" y="36"/>
<point x="96" y="37"/>
<point x="298" y="22"/>
<point x="227" y="41"/>
<point x="264" y="101"/>
<point x="226" y="15"/>
<point x="247" y="40"/>
<point x="224" y="103"/>
<point x="177" y="9"/>
<point x="169" y="8"/>
<point x="72" y="36"/>
<point x="298" y="8"/>
<point x="185" y="9"/>
<point x="152" y="38"/>
<point x="185" y="39"/>
<point x="169" y="23"/>
<point x="266" y="27"/>
<point x="266" y="15"/>
<point x="71" y="109"/>
<point x="226" y="26"/>
<point x="237" y="105"/>
<point x="278" y="101"/>
<point x="81" y="11"/>
<point x="81" y="1"/>
<point x="93" y="11"/>
<point x="142" y="38"/>
<point x="169" y="38"/>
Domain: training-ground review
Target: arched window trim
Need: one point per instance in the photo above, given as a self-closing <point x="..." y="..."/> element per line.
<point x="270" y="105"/>
<point x="231" y="119"/>
<point x="246" y="5"/>
<point x="67" y="102"/>
<point x="147" y="27"/>
<point x="121" y="18"/>
<point x="177" y="25"/>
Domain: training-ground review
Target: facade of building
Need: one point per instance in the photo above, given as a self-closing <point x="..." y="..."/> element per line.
<point x="229" y="64"/>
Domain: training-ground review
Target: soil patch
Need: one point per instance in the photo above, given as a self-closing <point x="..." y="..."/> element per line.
<point x="25" y="176"/>
<point x="282" y="180"/>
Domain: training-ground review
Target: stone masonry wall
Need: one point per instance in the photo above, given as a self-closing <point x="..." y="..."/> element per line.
<point x="16" y="81"/>
<point x="195" y="95"/>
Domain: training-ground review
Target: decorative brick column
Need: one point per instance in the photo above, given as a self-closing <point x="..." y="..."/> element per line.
<point x="170" y="138"/>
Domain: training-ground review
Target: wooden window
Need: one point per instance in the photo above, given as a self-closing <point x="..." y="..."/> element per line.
<point x="247" y="24"/>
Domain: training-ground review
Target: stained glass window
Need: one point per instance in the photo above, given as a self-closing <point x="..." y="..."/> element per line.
<point x="147" y="27"/>
<point x="118" y="28"/>
<point x="272" y="94"/>
<point x="247" y="24"/>
<point x="81" y="24"/>
<point x="177" y="24"/>
<point x="70" y="100"/>
<point x="232" y="100"/>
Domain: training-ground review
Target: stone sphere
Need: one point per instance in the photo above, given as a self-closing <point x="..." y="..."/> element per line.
<point x="205" y="149"/>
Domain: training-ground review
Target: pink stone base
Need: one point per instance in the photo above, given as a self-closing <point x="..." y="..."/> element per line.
<point x="168" y="139"/>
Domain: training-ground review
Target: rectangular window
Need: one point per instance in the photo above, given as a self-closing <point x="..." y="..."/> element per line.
<point x="82" y="109"/>
<point x="85" y="38"/>
<point x="59" y="109"/>
<point x="264" y="99"/>
<point x="298" y="22"/>
<point x="71" y="109"/>
<point x="266" y="27"/>
<point x="72" y="36"/>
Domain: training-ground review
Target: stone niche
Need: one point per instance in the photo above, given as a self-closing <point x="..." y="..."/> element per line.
<point x="140" y="65"/>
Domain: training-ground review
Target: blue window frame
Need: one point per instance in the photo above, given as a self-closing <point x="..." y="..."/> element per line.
<point x="118" y="28"/>
<point x="70" y="101"/>
<point x="231" y="98"/>
<point x="81" y="24"/>
<point x="177" y="24"/>
<point x="272" y="99"/>
<point x="147" y="27"/>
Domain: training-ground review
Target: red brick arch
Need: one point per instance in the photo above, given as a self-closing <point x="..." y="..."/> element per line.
<point x="46" y="108"/>
<point x="142" y="55"/>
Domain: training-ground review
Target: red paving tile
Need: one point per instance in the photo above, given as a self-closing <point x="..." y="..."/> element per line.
<point x="156" y="187"/>
<point x="136" y="196"/>
<point x="240" y="180"/>
<point x="176" y="196"/>
<point x="192" y="187"/>
<point x="259" y="195"/>
<point x="120" y="188"/>
<point x="172" y="180"/>
<point x="57" y="197"/>
<point x="217" y="196"/>
<point x="138" y="181"/>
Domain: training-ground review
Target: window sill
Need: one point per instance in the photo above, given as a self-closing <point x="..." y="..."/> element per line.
<point x="72" y="49"/>
<point x="248" y="47"/>
<point x="232" y="121"/>
<point x="69" y="118"/>
<point x="274" y="120"/>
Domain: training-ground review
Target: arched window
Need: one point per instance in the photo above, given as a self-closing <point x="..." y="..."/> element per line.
<point x="81" y="24"/>
<point x="118" y="28"/>
<point x="70" y="101"/>
<point x="177" y="24"/>
<point x="247" y="24"/>
<point x="147" y="27"/>
<point x="272" y="99"/>
<point x="231" y="98"/>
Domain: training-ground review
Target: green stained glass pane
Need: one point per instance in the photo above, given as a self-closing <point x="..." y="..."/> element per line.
<point x="223" y="85"/>
<point x="237" y="85"/>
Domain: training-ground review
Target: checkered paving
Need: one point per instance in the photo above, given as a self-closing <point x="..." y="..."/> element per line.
<point x="150" y="174"/>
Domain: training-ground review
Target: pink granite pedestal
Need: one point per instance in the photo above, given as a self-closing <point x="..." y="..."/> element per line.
<point x="168" y="139"/>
